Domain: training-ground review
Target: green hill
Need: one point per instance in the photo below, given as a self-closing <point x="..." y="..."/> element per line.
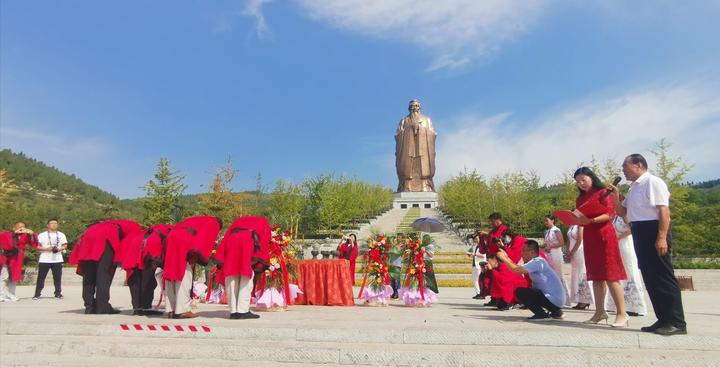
<point x="40" y="192"/>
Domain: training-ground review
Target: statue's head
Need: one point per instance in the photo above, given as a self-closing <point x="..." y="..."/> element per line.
<point x="414" y="106"/>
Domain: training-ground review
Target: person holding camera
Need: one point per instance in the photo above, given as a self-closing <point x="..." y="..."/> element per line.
<point x="546" y="297"/>
<point x="13" y="245"/>
<point x="51" y="246"/>
<point x="348" y="250"/>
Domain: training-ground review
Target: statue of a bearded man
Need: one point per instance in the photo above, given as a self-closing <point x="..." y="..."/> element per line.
<point x="415" y="151"/>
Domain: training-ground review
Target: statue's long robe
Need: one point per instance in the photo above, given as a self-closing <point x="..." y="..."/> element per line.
<point x="415" y="154"/>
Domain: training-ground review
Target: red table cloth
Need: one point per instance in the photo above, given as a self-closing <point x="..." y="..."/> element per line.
<point x="325" y="283"/>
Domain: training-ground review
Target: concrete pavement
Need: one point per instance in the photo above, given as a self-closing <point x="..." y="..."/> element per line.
<point x="457" y="331"/>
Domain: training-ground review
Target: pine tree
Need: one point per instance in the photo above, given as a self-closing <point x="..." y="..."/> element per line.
<point x="163" y="194"/>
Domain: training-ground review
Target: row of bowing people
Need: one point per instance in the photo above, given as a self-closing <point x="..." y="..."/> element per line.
<point x="176" y="250"/>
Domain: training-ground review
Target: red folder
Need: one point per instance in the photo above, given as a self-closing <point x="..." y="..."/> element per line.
<point x="589" y="209"/>
<point x="567" y="216"/>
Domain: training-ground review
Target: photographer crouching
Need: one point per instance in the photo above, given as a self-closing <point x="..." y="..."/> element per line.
<point x="547" y="290"/>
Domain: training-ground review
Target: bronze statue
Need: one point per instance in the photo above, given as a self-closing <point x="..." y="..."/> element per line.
<point x="415" y="151"/>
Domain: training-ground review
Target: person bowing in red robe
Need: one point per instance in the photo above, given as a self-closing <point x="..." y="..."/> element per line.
<point x="96" y="254"/>
<point x="13" y="245"/>
<point x="234" y="258"/>
<point x="348" y="250"/>
<point x="189" y="242"/>
<point x="143" y="254"/>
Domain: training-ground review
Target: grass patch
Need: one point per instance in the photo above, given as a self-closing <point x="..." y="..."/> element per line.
<point x="691" y="265"/>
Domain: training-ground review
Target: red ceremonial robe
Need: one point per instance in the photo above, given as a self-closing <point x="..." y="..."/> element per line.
<point x="490" y="246"/>
<point x="350" y="253"/>
<point x="261" y="226"/>
<point x="235" y="254"/>
<point x="192" y="235"/>
<point x="91" y="244"/>
<point x="504" y="281"/>
<point x="11" y="241"/>
<point x="141" y="245"/>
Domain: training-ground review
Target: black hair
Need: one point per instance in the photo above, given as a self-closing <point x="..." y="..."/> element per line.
<point x="586" y="171"/>
<point x="353" y="236"/>
<point x="52" y="219"/>
<point x="636" y="158"/>
<point x="551" y="217"/>
<point x="495" y="215"/>
<point x="533" y="245"/>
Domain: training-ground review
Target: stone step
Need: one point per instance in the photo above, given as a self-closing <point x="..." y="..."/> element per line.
<point x="420" y="346"/>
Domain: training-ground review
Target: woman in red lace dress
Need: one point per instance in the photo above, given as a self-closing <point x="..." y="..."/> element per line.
<point x="602" y="253"/>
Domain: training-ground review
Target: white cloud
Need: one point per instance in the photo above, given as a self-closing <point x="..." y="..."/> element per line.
<point x="453" y="31"/>
<point x="689" y="117"/>
<point x="253" y="8"/>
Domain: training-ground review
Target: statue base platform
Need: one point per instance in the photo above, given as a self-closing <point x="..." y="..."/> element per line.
<point x="407" y="200"/>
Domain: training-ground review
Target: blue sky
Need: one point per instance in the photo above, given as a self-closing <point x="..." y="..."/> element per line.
<point x="293" y="89"/>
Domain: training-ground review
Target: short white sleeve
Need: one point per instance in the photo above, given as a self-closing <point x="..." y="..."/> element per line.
<point x="658" y="193"/>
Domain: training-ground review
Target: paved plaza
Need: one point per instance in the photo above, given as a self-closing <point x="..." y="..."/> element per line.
<point x="457" y="331"/>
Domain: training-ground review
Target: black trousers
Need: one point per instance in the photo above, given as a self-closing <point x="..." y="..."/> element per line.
<point x="97" y="278"/>
<point x="142" y="284"/>
<point x="658" y="274"/>
<point x="535" y="301"/>
<point x="43" y="269"/>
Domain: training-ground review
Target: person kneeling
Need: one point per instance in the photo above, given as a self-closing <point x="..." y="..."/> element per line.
<point x="547" y="290"/>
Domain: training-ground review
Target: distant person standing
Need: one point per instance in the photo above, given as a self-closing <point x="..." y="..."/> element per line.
<point x="647" y="208"/>
<point x="554" y="242"/>
<point x="580" y="291"/>
<point x="13" y="245"/>
<point x="52" y="244"/>
<point x="477" y="260"/>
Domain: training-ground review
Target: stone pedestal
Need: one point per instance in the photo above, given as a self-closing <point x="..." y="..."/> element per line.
<point x="407" y="200"/>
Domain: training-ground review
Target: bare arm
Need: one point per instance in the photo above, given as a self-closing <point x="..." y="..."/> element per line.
<point x="560" y="238"/>
<point x="661" y="243"/>
<point x="515" y="268"/>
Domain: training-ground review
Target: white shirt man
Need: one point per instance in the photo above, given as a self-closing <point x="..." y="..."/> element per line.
<point x="52" y="244"/>
<point x="647" y="208"/>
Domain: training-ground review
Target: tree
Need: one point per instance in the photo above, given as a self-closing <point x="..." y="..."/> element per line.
<point x="163" y="194"/>
<point x="673" y="171"/>
<point x="287" y="204"/>
<point x="221" y="201"/>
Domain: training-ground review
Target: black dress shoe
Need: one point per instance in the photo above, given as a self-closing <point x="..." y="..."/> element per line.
<point x="632" y="314"/>
<point x="111" y="311"/>
<point x="668" y="330"/>
<point x="651" y="328"/>
<point x="138" y="313"/>
<point x="247" y="315"/>
<point x="492" y="303"/>
<point x="395" y="296"/>
<point x="152" y="312"/>
<point x="90" y="311"/>
<point x="234" y="316"/>
<point x="477" y="296"/>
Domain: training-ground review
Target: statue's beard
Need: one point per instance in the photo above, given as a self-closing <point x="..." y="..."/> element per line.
<point x="415" y="115"/>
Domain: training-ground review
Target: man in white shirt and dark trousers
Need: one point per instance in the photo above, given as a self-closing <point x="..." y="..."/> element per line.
<point x="647" y="206"/>
<point x="52" y="244"/>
